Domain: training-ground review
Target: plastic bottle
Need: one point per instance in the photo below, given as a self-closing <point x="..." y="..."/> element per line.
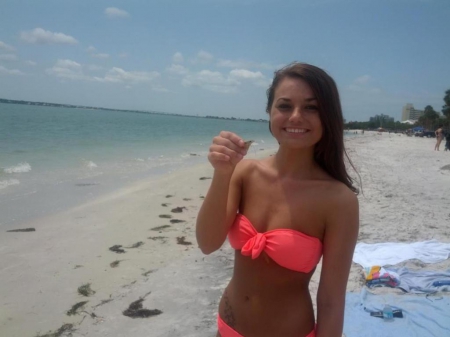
<point x="441" y="283"/>
<point x="388" y="315"/>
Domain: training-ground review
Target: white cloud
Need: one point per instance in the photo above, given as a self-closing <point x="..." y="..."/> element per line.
<point x="178" y="58"/>
<point x="177" y="69"/>
<point x="203" y="57"/>
<point x="8" y="57"/>
<point x="362" y="79"/>
<point x="93" y="67"/>
<point x="361" y="85"/>
<point x="6" y="47"/>
<point x="67" y="69"/>
<point x="7" y="71"/>
<point x="211" y="80"/>
<point x="117" y="75"/>
<point x="100" y="55"/>
<point x="114" y="13"/>
<point x="246" y="74"/>
<point x="41" y="36"/>
<point x="255" y="77"/>
<point x="123" y="55"/>
<point x="91" y="49"/>
<point x="159" y="88"/>
<point x="30" y="63"/>
<point x="245" y="64"/>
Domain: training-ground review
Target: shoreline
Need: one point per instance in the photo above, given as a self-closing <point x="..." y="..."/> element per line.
<point x="403" y="199"/>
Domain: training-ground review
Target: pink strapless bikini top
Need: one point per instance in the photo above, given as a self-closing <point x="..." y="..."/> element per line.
<point x="289" y="248"/>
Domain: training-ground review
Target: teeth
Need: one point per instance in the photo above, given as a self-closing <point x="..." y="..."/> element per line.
<point x="296" y="130"/>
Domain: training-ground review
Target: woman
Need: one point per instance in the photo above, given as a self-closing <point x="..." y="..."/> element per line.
<point x="292" y="207"/>
<point x="439" y="133"/>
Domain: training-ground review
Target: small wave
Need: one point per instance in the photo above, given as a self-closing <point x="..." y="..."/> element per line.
<point x="89" y="164"/>
<point x="139" y="159"/>
<point x="9" y="182"/>
<point x="19" y="168"/>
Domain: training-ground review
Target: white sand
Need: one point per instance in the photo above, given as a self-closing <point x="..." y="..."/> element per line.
<point x="405" y="199"/>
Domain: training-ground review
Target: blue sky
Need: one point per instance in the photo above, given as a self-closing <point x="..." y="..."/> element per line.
<point x="217" y="57"/>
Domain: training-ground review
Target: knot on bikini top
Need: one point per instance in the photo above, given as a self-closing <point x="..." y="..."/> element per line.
<point x="254" y="246"/>
<point x="287" y="247"/>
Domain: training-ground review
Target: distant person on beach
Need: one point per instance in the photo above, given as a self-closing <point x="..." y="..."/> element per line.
<point x="439" y="136"/>
<point x="282" y="214"/>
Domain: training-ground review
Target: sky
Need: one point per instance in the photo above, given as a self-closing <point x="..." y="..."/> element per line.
<point x="217" y="57"/>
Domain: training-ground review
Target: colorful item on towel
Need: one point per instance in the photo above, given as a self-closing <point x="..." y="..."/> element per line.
<point x="378" y="276"/>
<point x="423" y="315"/>
<point x="391" y="253"/>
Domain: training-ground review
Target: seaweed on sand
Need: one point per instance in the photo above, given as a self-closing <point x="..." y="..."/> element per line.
<point x="176" y="220"/>
<point x="117" y="249"/>
<point x="181" y="240"/>
<point x="64" y="330"/>
<point x="160" y="227"/>
<point x="86" y="290"/>
<point x="22" y="230"/>
<point x="177" y="209"/>
<point x="165" y="216"/>
<point x="136" y="310"/>
<point x="115" y="264"/>
<point x="75" y="307"/>
<point x="136" y="245"/>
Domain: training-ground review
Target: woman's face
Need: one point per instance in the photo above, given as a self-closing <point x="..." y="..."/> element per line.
<point x="294" y="115"/>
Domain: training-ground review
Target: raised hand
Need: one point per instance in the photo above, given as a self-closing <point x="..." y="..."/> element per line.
<point x="226" y="151"/>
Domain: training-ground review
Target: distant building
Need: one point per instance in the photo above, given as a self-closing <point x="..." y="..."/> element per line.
<point x="409" y="113"/>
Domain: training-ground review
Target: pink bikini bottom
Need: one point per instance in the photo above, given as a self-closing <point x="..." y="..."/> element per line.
<point x="227" y="331"/>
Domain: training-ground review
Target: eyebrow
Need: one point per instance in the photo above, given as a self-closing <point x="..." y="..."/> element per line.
<point x="306" y="99"/>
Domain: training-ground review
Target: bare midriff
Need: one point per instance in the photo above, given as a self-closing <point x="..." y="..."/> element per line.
<point x="265" y="299"/>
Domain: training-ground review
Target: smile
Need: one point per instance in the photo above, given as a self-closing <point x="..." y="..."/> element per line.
<point x="292" y="130"/>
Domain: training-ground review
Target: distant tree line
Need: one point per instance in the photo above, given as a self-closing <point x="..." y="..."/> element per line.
<point x="430" y="120"/>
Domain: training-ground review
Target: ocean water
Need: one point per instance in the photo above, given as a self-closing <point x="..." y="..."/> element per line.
<point x="52" y="158"/>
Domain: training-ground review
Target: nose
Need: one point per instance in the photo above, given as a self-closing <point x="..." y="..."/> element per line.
<point x="297" y="115"/>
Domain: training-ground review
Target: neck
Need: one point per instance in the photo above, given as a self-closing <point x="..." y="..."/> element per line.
<point x="295" y="163"/>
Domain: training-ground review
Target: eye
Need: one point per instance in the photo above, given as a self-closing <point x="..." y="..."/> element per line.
<point x="312" y="107"/>
<point x="284" y="106"/>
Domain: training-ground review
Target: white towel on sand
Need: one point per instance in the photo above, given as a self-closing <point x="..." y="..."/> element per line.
<point x="391" y="253"/>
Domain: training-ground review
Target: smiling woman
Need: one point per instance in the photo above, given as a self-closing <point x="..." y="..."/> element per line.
<point x="284" y="213"/>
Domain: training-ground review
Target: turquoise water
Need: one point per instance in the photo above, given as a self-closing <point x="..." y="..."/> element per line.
<point x="54" y="158"/>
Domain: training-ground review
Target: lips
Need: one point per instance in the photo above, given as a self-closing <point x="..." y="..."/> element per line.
<point x="296" y="130"/>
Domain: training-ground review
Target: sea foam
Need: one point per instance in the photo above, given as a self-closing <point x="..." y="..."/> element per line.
<point x="19" y="168"/>
<point x="9" y="182"/>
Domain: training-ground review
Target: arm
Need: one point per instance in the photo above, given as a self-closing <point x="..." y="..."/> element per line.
<point x="341" y="233"/>
<point x="219" y="208"/>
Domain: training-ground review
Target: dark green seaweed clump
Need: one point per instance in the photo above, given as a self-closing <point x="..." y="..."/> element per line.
<point x="160" y="227"/>
<point x="75" y="307"/>
<point x="135" y="310"/>
<point x="86" y="290"/>
<point x="22" y="230"/>
<point x="136" y="245"/>
<point x="181" y="240"/>
<point x="65" y="328"/>
<point x="117" y="249"/>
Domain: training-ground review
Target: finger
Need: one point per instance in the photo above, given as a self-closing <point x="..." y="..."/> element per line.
<point x="226" y="150"/>
<point x="232" y="137"/>
<point x="226" y="142"/>
<point x="216" y="156"/>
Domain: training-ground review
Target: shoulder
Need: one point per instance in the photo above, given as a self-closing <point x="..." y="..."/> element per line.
<point x="249" y="166"/>
<point x="341" y="203"/>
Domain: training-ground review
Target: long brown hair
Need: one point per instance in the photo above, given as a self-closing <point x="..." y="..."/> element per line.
<point x="329" y="152"/>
